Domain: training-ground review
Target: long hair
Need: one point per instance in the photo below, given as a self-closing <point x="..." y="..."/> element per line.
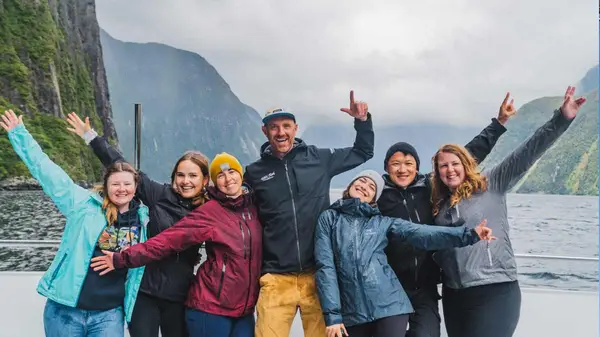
<point x="346" y="195"/>
<point x="474" y="182"/>
<point x="110" y="209"/>
<point x="202" y="162"/>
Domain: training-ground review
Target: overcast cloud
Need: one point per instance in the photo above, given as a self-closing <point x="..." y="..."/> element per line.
<point x="411" y="61"/>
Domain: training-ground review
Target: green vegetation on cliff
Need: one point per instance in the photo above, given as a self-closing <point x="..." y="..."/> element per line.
<point x="43" y="75"/>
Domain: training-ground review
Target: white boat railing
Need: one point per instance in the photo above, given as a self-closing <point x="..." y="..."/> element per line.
<point x="54" y="243"/>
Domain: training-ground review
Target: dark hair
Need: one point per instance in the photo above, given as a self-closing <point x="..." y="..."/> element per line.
<point x="346" y="194"/>
<point x="200" y="160"/>
<point x="109" y="208"/>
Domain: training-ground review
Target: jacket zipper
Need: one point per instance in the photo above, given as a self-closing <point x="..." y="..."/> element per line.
<point x="287" y="175"/>
<point x="243" y="235"/>
<point x="410" y="219"/>
<point x="412" y="196"/>
<point x="249" y="264"/>
<point x="358" y="270"/>
<point x="222" y="276"/>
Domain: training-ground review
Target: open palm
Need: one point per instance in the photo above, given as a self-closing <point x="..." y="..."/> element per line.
<point x="10" y="120"/>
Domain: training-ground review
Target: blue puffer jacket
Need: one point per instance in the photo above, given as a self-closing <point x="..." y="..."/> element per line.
<point x="355" y="283"/>
<point x="62" y="282"/>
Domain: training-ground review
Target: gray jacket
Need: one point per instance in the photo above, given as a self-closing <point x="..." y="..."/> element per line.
<point x="481" y="263"/>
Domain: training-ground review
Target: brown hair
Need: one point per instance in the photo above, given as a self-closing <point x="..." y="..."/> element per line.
<point x="110" y="209"/>
<point x="474" y="181"/>
<point x="202" y="162"/>
<point x="346" y="194"/>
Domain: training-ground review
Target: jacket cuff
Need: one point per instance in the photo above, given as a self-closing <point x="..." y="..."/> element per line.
<point x="19" y="127"/>
<point x="118" y="261"/>
<point x="88" y="136"/>
<point x="560" y="120"/>
<point x="474" y="236"/>
<point x="497" y="125"/>
<point x="331" y="319"/>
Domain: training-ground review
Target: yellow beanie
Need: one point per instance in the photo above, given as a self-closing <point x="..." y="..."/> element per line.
<point x="223" y="162"/>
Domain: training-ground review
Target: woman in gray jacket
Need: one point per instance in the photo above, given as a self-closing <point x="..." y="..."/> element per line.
<point x="357" y="287"/>
<point x="481" y="295"/>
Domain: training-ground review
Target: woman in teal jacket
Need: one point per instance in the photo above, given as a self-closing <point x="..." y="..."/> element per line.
<point x="357" y="287"/>
<point x="79" y="301"/>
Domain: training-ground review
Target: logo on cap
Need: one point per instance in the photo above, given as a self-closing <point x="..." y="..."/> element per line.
<point x="225" y="167"/>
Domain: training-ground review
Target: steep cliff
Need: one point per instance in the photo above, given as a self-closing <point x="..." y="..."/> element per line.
<point x="186" y="105"/>
<point x="51" y="63"/>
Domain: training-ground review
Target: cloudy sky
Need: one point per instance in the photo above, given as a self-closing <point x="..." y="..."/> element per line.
<point x="412" y="61"/>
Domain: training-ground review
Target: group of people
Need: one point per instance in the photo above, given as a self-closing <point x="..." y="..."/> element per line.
<point x="367" y="265"/>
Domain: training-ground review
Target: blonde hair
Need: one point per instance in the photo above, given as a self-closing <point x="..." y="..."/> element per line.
<point x="110" y="209"/>
<point x="474" y="181"/>
<point x="202" y="162"/>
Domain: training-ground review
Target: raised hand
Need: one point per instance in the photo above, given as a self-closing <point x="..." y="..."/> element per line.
<point x="358" y="109"/>
<point x="571" y="105"/>
<point x="104" y="263"/>
<point x="485" y="233"/>
<point x="10" y="120"/>
<point x="507" y="110"/>
<point x="79" y="127"/>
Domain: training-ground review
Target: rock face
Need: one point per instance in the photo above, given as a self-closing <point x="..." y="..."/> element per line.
<point x="52" y="64"/>
<point x="186" y="105"/>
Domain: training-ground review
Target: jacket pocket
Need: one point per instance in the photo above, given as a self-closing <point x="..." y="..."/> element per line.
<point x="223" y="270"/>
<point x="57" y="269"/>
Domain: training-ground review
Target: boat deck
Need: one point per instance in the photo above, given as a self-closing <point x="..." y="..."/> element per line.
<point x="544" y="312"/>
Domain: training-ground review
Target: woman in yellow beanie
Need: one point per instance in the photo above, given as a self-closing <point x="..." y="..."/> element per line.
<point x="221" y="301"/>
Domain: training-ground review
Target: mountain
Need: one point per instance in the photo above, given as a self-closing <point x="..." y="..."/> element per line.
<point x="570" y="166"/>
<point x="186" y="105"/>
<point x="342" y="135"/>
<point x="589" y="82"/>
<point x="51" y="63"/>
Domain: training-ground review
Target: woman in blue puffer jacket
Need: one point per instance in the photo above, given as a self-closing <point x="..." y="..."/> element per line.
<point x="357" y="288"/>
<point x="80" y="302"/>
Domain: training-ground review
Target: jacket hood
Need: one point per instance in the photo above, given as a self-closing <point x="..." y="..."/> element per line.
<point x="420" y="181"/>
<point x="353" y="206"/>
<point x="265" y="149"/>
<point x="243" y="201"/>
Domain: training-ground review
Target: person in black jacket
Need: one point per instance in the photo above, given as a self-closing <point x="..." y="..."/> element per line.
<point x="407" y="195"/>
<point x="165" y="284"/>
<point x="291" y="182"/>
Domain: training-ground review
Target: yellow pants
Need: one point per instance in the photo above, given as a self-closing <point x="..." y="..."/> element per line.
<point x="281" y="295"/>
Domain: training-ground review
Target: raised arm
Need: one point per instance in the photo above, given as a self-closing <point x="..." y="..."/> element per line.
<point x="54" y="180"/>
<point x="148" y="190"/>
<point x="509" y="171"/>
<point x="343" y="159"/>
<point x="326" y="274"/>
<point x="438" y="237"/>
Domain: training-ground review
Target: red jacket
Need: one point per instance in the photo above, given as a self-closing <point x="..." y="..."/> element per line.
<point x="226" y="283"/>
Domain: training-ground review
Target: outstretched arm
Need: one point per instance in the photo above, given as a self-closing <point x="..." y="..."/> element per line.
<point x="148" y="190"/>
<point x="54" y="180"/>
<point x="341" y="160"/>
<point x="326" y="274"/>
<point x="429" y="237"/>
<point x="508" y="172"/>
<point x="193" y="229"/>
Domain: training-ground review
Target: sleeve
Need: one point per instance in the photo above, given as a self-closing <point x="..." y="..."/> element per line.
<point x="483" y="143"/>
<point x="193" y="229"/>
<point x="54" y="180"/>
<point x="509" y="171"/>
<point x="429" y="237"/>
<point x="148" y="190"/>
<point x="344" y="159"/>
<point x="326" y="274"/>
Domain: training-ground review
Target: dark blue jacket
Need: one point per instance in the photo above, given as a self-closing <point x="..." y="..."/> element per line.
<point x="355" y="283"/>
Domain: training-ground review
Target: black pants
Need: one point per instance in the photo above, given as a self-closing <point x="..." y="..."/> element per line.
<point x="491" y="310"/>
<point x="393" y="326"/>
<point x="150" y="313"/>
<point x="425" y="321"/>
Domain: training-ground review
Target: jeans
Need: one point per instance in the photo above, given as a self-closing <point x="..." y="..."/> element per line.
<point x="202" y="324"/>
<point x="61" y="320"/>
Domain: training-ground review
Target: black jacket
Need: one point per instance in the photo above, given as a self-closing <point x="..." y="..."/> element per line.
<point x="292" y="192"/>
<point x="414" y="267"/>
<point x="170" y="277"/>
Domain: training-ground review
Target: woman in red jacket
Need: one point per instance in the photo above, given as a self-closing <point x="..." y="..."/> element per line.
<point x="222" y="298"/>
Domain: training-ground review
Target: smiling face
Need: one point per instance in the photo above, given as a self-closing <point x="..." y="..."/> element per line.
<point x="402" y="169"/>
<point x="230" y="183"/>
<point x="450" y="169"/>
<point x="120" y="188"/>
<point x="189" y="179"/>
<point x="364" y="189"/>
<point x="280" y="132"/>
